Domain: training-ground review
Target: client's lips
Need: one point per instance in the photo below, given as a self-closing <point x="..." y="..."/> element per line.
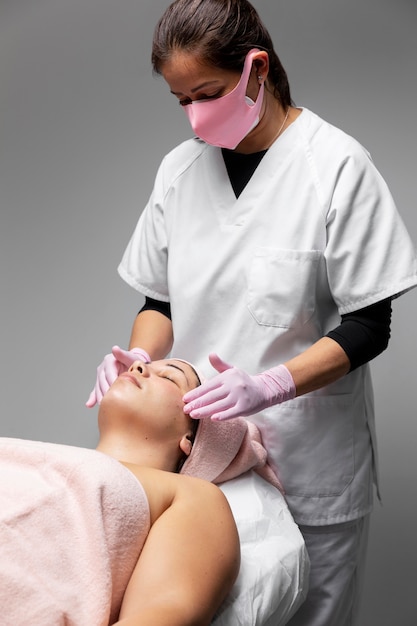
<point x="134" y="379"/>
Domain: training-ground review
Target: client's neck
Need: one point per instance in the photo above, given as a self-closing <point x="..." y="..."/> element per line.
<point x="142" y="453"/>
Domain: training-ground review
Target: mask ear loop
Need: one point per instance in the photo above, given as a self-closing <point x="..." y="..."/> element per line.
<point x="247" y="68"/>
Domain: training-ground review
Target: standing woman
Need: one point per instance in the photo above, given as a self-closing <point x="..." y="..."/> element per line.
<point x="271" y="239"/>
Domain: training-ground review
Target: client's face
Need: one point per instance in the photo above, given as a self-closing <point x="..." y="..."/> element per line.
<point x="149" y="397"/>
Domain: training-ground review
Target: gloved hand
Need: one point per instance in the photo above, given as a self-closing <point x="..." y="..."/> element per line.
<point x="111" y="367"/>
<point x="234" y="393"/>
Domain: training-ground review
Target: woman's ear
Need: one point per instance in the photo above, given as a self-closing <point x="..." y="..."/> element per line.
<point x="261" y="62"/>
<point x="186" y="444"/>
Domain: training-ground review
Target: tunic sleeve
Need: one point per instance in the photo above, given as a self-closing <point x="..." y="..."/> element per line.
<point x="144" y="263"/>
<point x="369" y="254"/>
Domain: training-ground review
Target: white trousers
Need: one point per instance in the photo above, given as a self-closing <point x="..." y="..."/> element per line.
<point x="337" y="555"/>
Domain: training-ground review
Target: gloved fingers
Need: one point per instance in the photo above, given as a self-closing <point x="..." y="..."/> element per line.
<point x="100" y="388"/>
<point x="92" y="400"/>
<point x="141" y="354"/>
<point x="214" y="400"/>
<point x="218" y="363"/>
<point x="124" y="357"/>
<point x="102" y="384"/>
<point x="107" y="372"/>
<point x="111" y="367"/>
<point x="227" y="414"/>
<point x="198" y="395"/>
<point x="128" y="357"/>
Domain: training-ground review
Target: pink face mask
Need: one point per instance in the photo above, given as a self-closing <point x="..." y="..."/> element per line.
<point x="225" y="121"/>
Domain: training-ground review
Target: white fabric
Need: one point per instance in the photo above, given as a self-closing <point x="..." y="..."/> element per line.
<point x="338" y="557"/>
<point x="258" y="279"/>
<point x="273" y="577"/>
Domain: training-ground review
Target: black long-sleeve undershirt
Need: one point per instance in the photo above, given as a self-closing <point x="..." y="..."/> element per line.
<point x="365" y="333"/>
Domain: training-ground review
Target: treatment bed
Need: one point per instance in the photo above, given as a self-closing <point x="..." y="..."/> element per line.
<point x="273" y="577"/>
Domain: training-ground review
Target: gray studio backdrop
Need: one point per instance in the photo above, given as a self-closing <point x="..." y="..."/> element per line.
<point x="83" y="126"/>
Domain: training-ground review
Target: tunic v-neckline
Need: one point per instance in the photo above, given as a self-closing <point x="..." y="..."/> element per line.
<point x="233" y="211"/>
<point x="241" y="167"/>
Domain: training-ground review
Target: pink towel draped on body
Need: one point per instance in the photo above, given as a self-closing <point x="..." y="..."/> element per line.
<point x="72" y="524"/>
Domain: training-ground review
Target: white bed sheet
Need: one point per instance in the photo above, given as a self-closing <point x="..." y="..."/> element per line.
<point x="273" y="577"/>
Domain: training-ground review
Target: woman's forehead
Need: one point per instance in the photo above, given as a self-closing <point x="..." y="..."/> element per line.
<point x="187" y="68"/>
<point x="183" y="61"/>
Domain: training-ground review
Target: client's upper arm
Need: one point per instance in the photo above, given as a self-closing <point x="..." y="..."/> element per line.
<point x="189" y="562"/>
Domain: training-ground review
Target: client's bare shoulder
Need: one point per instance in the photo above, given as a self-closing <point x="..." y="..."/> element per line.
<point x="163" y="489"/>
<point x="194" y="541"/>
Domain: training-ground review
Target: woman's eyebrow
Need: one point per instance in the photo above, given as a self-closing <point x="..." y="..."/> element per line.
<point x="180" y="369"/>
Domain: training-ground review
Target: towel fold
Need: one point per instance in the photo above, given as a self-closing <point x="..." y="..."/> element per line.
<point x="225" y="450"/>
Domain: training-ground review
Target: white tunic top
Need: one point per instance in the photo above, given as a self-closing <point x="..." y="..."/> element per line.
<point x="258" y="279"/>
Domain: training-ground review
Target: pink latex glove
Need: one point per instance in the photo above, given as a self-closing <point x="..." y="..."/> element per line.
<point x="111" y="367"/>
<point x="234" y="393"/>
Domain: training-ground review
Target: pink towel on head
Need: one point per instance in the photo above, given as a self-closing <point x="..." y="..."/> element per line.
<point x="225" y="450"/>
<point x="72" y="525"/>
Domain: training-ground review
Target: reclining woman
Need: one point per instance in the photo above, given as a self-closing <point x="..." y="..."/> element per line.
<point x="114" y="535"/>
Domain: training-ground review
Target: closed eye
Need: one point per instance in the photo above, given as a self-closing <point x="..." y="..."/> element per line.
<point x="175" y="374"/>
<point x="171" y="379"/>
<point x="185" y="101"/>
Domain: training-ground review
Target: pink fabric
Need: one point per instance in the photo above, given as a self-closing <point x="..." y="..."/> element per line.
<point x="225" y="121"/>
<point x="72" y="525"/>
<point x="225" y="450"/>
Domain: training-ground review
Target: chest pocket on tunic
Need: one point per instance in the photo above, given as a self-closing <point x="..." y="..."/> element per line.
<point x="282" y="286"/>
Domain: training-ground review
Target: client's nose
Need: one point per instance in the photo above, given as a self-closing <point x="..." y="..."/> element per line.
<point x="141" y="367"/>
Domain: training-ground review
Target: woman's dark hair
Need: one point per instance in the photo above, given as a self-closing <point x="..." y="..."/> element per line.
<point x="220" y="32"/>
